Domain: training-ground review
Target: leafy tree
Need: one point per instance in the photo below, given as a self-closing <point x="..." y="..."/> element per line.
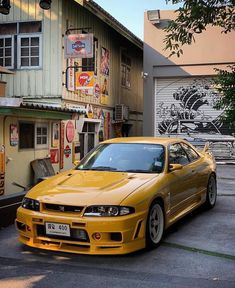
<point x="193" y="17"/>
<point x="225" y="81"/>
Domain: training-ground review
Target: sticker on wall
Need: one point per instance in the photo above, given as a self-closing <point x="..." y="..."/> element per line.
<point x="84" y="80"/>
<point x="97" y="91"/>
<point x="104" y="63"/>
<point x="70" y="131"/>
<point x="67" y="151"/>
<point x="14" y="135"/>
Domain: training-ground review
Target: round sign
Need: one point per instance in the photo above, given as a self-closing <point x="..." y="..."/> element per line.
<point x="84" y="79"/>
<point x="70" y="131"/>
<point x="67" y="151"/>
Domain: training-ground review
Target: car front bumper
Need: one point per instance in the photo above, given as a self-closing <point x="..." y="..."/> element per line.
<point x="118" y="235"/>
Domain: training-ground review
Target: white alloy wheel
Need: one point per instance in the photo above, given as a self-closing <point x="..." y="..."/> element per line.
<point x="155" y="225"/>
<point x="211" y="192"/>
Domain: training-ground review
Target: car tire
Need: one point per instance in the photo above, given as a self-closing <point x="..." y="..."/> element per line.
<point x="211" y="194"/>
<point x="154" y="225"/>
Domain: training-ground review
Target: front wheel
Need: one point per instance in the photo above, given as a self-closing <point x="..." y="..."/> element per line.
<point x="211" y="192"/>
<point x="155" y="225"/>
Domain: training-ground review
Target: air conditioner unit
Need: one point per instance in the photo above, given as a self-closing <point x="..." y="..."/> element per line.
<point x="121" y="112"/>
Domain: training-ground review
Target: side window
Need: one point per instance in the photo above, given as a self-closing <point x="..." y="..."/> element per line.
<point x="177" y="155"/>
<point x="192" y="154"/>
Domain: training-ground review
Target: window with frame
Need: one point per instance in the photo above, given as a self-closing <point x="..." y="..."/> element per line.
<point x="33" y="135"/>
<point x="125" y="70"/>
<point x="90" y="64"/>
<point x="192" y="154"/>
<point x="21" y="45"/>
<point x="177" y="155"/>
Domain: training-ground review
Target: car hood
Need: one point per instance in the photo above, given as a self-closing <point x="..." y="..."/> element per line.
<point x="84" y="188"/>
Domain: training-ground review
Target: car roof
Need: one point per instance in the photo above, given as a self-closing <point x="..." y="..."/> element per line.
<point x="146" y="140"/>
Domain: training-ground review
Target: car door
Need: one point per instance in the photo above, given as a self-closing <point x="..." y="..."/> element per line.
<point x="199" y="172"/>
<point x="179" y="181"/>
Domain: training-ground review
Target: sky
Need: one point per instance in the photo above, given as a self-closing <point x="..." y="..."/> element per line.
<point x="131" y="12"/>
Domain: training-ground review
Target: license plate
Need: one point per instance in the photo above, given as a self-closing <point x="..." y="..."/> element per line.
<point x="57" y="229"/>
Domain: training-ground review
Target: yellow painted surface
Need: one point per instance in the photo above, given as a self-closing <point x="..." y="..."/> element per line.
<point x="137" y="190"/>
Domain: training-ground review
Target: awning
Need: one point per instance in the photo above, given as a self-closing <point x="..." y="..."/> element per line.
<point x="4" y="70"/>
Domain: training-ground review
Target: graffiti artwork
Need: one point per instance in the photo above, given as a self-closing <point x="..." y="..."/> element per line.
<point x="190" y="114"/>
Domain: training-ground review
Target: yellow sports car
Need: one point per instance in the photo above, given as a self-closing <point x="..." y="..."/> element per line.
<point x="120" y="197"/>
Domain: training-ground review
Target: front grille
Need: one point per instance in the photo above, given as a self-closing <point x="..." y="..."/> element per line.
<point x="76" y="234"/>
<point x="63" y="208"/>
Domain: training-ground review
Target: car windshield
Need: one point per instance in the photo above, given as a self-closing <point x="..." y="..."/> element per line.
<point x="125" y="157"/>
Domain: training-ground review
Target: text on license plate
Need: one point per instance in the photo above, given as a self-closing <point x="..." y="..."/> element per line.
<point x="57" y="229"/>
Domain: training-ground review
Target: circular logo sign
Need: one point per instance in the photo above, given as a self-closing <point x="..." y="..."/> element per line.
<point x="70" y="131"/>
<point x="67" y="151"/>
<point x="84" y="79"/>
<point x="78" y="46"/>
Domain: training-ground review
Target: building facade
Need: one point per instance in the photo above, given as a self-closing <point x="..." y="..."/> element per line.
<point x="179" y="93"/>
<point x="58" y="116"/>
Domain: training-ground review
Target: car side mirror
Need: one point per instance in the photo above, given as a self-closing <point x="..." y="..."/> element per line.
<point x="174" y="167"/>
<point x="76" y="162"/>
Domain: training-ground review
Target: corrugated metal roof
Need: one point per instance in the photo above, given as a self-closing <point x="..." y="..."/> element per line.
<point x="52" y="107"/>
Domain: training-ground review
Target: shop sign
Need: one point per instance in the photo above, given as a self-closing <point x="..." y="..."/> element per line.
<point x="14" y="136"/>
<point x="70" y="131"/>
<point x="67" y="151"/>
<point x="84" y="80"/>
<point x="79" y="45"/>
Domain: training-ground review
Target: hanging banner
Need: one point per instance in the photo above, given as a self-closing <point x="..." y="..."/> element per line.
<point x="79" y="45"/>
<point x="85" y="80"/>
<point x="2" y="169"/>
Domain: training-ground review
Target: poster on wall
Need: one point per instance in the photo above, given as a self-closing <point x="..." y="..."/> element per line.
<point x="62" y="145"/>
<point x="79" y="45"/>
<point x="55" y="135"/>
<point x="14" y="135"/>
<point x="104" y="90"/>
<point x="54" y="156"/>
<point x="84" y="80"/>
<point x="104" y="63"/>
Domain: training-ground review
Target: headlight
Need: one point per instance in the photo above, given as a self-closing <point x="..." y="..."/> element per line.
<point x="31" y="204"/>
<point x="107" y="211"/>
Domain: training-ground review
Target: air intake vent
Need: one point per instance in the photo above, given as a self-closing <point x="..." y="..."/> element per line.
<point x="121" y="112"/>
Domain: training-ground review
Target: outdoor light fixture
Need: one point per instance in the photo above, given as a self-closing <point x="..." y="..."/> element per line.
<point x="154" y="16"/>
<point x="45" y="4"/>
<point x="5" y="7"/>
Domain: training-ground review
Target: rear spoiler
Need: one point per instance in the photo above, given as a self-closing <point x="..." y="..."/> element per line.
<point x="206" y="148"/>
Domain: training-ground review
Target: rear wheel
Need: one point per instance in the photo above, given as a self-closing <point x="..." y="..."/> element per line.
<point x="155" y="225"/>
<point x="211" y="192"/>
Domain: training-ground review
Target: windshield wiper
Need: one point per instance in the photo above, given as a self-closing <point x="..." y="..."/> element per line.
<point x="138" y="171"/>
<point x="103" y="168"/>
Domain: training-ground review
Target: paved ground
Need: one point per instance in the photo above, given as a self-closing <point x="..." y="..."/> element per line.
<point x="197" y="252"/>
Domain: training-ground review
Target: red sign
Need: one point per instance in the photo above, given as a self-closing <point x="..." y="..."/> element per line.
<point x="67" y="151"/>
<point x="54" y="156"/>
<point x="70" y="131"/>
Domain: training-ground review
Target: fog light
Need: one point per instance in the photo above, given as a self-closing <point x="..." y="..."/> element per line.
<point x="96" y="236"/>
